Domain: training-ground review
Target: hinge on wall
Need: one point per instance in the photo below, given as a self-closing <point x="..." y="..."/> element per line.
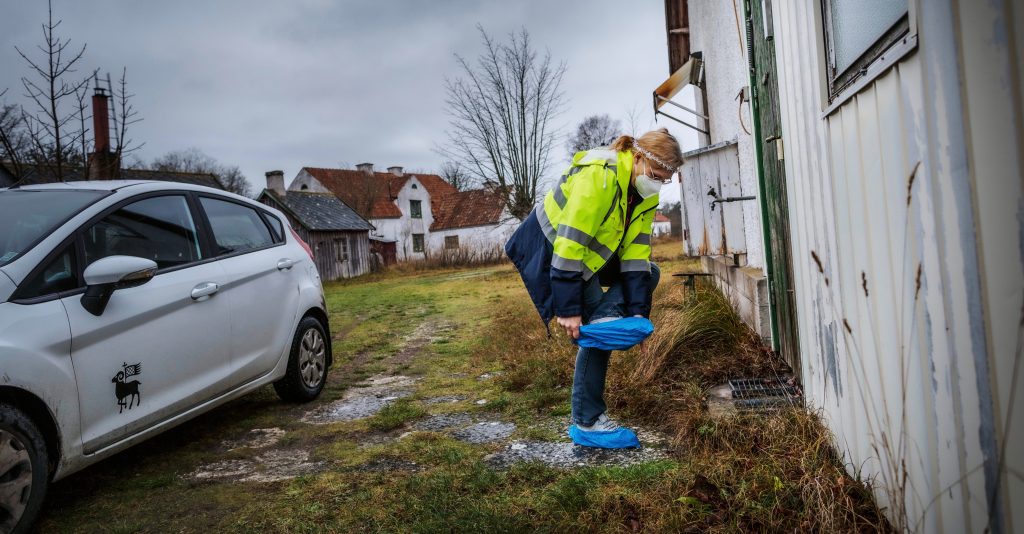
<point x="780" y="153"/>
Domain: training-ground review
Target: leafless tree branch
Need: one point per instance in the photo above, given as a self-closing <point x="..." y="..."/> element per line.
<point x="500" y="114"/>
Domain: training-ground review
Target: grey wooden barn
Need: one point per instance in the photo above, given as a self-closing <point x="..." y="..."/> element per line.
<point x="339" y="237"/>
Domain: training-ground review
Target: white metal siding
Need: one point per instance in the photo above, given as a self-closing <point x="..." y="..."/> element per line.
<point x="897" y="367"/>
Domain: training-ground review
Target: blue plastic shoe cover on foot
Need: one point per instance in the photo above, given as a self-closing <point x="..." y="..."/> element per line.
<point x="622" y="438"/>
<point x="620" y="334"/>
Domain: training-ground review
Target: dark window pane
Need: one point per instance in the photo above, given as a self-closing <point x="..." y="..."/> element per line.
<point x="417" y="242"/>
<point x="60" y="275"/>
<point x="276" y="227"/>
<point x="27" y="215"/>
<point x="236" y="228"/>
<point x="415" y="209"/>
<point x="158" y="228"/>
<point x="451" y="241"/>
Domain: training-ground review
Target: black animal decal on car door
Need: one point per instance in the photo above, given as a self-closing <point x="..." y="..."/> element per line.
<point x="127" y="392"/>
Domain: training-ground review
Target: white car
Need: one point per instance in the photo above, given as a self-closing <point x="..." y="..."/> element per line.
<point x="127" y="308"/>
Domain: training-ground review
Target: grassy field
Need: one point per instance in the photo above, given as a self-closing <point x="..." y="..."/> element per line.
<point x="471" y="339"/>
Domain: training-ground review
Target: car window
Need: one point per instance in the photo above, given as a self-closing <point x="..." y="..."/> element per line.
<point x="27" y="216"/>
<point x="61" y="274"/>
<point x="236" y="228"/>
<point x="157" y="228"/>
<point x="276" y="227"/>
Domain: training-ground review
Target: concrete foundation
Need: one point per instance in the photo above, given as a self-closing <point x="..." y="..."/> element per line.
<point x="746" y="287"/>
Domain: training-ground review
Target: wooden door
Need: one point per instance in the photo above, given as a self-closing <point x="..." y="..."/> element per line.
<point x="765" y="100"/>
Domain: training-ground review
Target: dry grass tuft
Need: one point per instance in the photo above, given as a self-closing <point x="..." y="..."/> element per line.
<point x="453" y="259"/>
<point x="750" y="472"/>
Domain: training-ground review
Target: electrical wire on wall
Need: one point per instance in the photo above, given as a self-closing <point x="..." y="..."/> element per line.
<point x="739" y="111"/>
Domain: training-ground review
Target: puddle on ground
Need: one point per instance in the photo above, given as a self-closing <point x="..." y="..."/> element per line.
<point x="257" y="438"/>
<point x="435" y="423"/>
<point x="485" y="432"/>
<point x="271" y="466"/>
<point x="568" y="455"/>
<point x="363" y="400"/>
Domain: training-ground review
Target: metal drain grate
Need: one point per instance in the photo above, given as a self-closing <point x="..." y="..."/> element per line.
<point x="749" y="388"/>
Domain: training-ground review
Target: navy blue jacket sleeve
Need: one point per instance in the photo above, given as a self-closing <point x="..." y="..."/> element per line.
<point x="636" y="293"/>
<point x="567" y="292"/>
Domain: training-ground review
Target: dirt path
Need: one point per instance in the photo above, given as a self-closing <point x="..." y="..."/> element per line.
<point x="454" y="414"/>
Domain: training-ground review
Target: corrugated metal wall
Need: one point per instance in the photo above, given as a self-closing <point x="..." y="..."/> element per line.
<point x="908" y="246"/>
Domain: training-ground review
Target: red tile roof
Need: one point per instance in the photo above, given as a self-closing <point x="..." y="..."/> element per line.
<point x="476" y="207"/>
<point x="373" y="195"/>
<point x="660" y="217"/>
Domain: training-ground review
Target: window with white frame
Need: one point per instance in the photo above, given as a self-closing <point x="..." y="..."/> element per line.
<point x="415" y="209"/>
<point x="417" y="242"/>
<point x="858" y="32"/>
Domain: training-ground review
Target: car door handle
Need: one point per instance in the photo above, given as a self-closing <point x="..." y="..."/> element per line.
<point x="204" y="290"/>
<point x="285" y="263"/>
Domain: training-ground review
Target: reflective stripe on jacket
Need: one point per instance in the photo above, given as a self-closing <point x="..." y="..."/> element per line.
<point x="577" y="229"/>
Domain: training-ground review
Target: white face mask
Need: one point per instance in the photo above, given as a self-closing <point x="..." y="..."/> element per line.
<point x="647" y="186"/>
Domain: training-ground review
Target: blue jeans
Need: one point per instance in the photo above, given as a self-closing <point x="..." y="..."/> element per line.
<point x="592" y="364"/>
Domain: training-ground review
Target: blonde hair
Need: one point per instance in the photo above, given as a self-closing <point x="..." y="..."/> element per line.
<point x="657" y="143"/>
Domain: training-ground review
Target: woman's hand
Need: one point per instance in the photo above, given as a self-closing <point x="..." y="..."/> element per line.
<point x="571" y="325"/>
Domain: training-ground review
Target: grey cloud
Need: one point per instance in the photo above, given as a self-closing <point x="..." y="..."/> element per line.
<point x="314" y="82"/>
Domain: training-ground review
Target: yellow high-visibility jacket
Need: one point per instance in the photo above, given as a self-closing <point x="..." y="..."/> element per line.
<point x="581" y="226"/>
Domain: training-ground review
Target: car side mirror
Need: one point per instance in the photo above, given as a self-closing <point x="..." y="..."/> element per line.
<point x="105" y="275"/>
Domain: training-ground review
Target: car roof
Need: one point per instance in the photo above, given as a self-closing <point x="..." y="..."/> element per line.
<point x="110" y="185"/>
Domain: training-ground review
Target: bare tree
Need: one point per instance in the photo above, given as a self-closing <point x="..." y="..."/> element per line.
<point x="233" y="180"/>
<point x="13" y="138"/>
<point x="187" y="160"/>
<point x="455" y="175"/>
<point x="83" y="115"/>
<point x="500" y="114"/>
<point x="633" y="118"/>
<point x="196" y="161"/>
<point x="593" y="131"/>
<point x="52" y="141"/>
<point x="124" y="115"/>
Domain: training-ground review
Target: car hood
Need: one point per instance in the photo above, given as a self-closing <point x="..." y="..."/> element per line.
<point x="6" y="286"/>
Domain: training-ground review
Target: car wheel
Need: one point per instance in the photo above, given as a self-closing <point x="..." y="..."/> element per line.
<point x="307" y="364"/>
<point x="24" y="470"/>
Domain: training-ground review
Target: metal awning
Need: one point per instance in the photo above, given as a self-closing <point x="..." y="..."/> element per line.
<point x="691" y="73"/>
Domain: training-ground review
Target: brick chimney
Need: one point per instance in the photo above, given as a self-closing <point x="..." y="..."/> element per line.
<point x="103" y="163"/>
<point x="365" y="167"/>
<point x="396" y="170"/>
<point x="275" y="182"/>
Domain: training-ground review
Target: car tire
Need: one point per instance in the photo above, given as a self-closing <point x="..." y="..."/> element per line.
<point x="24" y="470"/>
<point x="307" y="363"/>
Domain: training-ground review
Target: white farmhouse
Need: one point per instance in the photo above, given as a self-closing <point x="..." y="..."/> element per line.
<point x="414" y="214"/>
<point x="476" y="222"/>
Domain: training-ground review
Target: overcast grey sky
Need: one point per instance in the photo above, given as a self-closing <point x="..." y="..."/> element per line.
<point x="282" y="85"/>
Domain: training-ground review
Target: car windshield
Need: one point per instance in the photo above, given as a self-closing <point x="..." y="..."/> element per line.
<point x="27" y="216"/>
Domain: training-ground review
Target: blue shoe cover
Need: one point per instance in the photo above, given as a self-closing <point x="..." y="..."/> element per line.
<point x="622" y="438"/>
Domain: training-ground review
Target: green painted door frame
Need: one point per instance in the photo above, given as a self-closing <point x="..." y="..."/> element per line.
<point x="769" y="154"/>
